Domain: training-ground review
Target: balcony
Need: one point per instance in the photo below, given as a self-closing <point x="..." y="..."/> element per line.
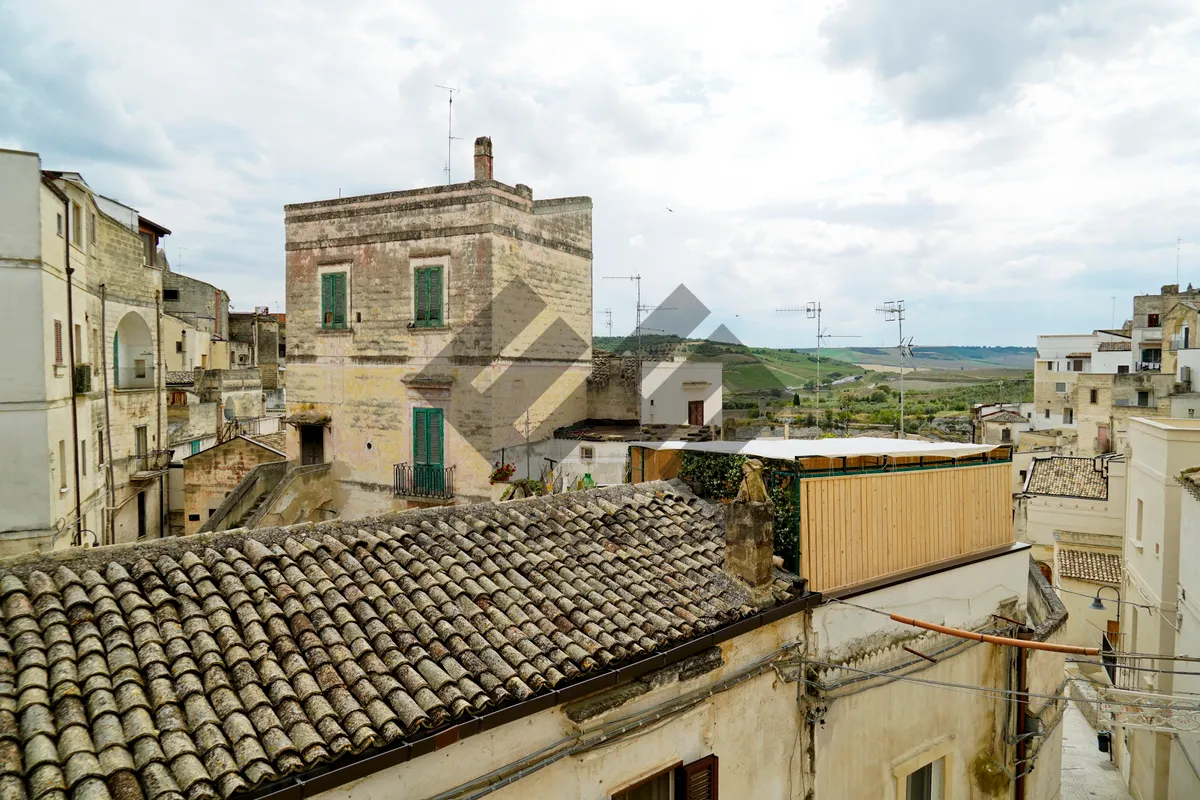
<point x="139" y="376"/>
<point x="423" y="481"/>
<point x="1147" y="366"/>
<point x="149" y="465"/>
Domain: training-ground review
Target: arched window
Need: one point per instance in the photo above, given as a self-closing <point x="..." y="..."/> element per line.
<point x="133" y="354"/>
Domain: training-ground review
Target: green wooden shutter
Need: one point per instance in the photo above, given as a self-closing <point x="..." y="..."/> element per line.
<point x="436" y="436"/>
<point x="420" y="436"/>
<point x="339" y="299"/>
<point x="421" y="296"/>
<point x="326" y="299"/>
<point x="435" y="296"/>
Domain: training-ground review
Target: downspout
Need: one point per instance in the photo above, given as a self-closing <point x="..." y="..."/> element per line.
<point x="1022" y="718"/>
<point x="112" y="496"/>
<point x="159" y="389"/>
<point x="71" y="345"/>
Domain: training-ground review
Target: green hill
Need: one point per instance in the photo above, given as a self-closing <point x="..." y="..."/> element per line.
<point x="948" y="357"/>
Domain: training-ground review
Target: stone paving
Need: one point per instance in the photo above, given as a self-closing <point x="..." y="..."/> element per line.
<point x="1087" y="774"/>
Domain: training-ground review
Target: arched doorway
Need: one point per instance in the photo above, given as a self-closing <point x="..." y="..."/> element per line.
<point x="133" y="354"/>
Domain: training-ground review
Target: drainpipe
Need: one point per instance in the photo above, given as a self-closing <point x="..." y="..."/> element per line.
<point x="159" y="388"/>
<point x="112" y="496"/>
<point x="71" y="345"/>
<point x="1022" y="717"/>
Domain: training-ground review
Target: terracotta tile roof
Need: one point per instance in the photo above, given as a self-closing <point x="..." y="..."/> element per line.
<point x="1065" y="476"/>
<point x="1079" y="355"/>
<point x="1115" y="347"/>
<point x="1115" y="332"/>
<point x="201" y="667"/>
<point x="1004" y="416"/>
<point x="180" y="378"/>
<point x="1089" y="565"/>
<point x="275" y="441"/>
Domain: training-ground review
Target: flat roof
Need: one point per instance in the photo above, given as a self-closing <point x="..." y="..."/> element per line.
<point x="788" y="449"/>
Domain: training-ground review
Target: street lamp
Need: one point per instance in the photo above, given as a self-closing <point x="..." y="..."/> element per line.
<point x="1098" y="605"/>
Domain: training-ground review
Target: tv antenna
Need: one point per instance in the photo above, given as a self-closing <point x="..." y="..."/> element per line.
<point x="450" y="137"/>
<point x="813" y="311"/>
<point x="608" y="321"/>
<point x="893" y="311"/>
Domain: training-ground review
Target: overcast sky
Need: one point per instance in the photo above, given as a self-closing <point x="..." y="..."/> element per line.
<point x="1006" y="167"/>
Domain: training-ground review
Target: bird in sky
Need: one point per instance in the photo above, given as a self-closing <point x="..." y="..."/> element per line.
<point x="668" y="208"/>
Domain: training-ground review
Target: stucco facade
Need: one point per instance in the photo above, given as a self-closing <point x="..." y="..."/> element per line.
<point x="681" y="393"/>
<point x="504" y="359"/>
<point x="82" y="392"/>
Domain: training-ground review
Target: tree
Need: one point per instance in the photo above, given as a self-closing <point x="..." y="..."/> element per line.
<point x="795" y="399"/>
<point x="810" y="420"/>
<point x="878" y="396"/>
<point x="827" y="421"/>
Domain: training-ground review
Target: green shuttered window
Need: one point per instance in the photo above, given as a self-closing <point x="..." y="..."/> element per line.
<point x="429" y="476"/>
<point x="333" y="300"/>
<point x="427" y="290"/>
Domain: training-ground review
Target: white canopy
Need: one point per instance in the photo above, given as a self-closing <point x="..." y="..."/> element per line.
<point x="788" y="449"/>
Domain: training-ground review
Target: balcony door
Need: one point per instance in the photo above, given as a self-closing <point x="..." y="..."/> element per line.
<point x="695" y="412"/>
<point x="429" y="476"/>
<point x="312" y="444"/>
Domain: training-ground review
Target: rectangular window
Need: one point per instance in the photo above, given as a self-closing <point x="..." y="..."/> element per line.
<point x="1006" y="435"/>
<point x="179" y="347"/>
<point x="58" y="349"/>
<point x="1079" y="365"/>
<point x="1152" y="320"/>
<point x="148" y="249"/>
<point x="695" y="781"/>
<point x="92" y="227"/>
<point x="83" y="456"/>
<point x="1143" y="399"/>
<point x="926" y="783"/>
<point x="1068" y="416"/>
<point x="428" y="438"/>
<point x="62" y="465"/>
<point x="170" y="295"/>
<point x="1047" y="413"/>
<point x="427" y="293"/>
<point x="195" y="447"/>
<point x="100" y="448"/>
<point x="78" y="340"/>
<point x="333" y="300"/>
<point x="1060" y="387"/>
<point x="1049" y="366"/>
<point x="76" y="224"/>
<point x="1123" y="369"/>
<point x="60" y="225"/>
<point x="1092" y="395"/>
<point x="1137" y="536"/>
<point x="140" y="442"/>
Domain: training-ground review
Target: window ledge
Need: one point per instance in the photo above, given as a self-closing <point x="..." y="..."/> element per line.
<point x="60" y="370"/>
<point x="334" y="331"/>
<point x="428" y="328"/>
<point x="133" y="389"/>
<point x="1138" y="545"/>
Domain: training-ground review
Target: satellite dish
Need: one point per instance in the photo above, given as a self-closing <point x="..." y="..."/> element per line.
<point x="229" y="415"/>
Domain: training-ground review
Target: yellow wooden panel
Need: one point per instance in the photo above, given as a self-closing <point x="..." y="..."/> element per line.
<point x="854" y="528"/>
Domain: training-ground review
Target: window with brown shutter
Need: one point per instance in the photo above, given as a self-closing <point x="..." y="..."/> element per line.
<point x="58" y="355"/>
<point x="699" y="780"/>
<point x="695" y="781"/>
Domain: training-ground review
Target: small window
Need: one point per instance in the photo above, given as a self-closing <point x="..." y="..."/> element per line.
<point x="1068" y="416"/>
<point x="1123" y="369"/>
<point x="1079" y="365"/>
<point x="1191" y="413"/>
<point x="1023" y="474"/>
<point x="333" y="300"/>
<point x="100" y="448"/>
<point x="148" y="249"/>
<point x="195" y="517"/>
<point x="926" y="783"/>
<point x="62" y="465"/>
<point x="170" y="295"/>
<point x="1060" y="387"/>
<point x="1006" y="435"/>
<point x="1047" y="413"/>
<point x="58" y="348"/>
<point x="695" y="781"/>
<point x="1152" y="320"/>
<point x="78" y="340"/>
<point x="83" y="456"/>
<point x="179" y="347"/>
<point x="587" y="453"/>
<point x="1092" y="395"/>
<point x="195" y="446"/>
<point x="1143" y="399"/>
<point x="76" y="224"/>
<point x="1138" y="531"/>
<point x="92" y="227"/>
<point x="60" y="225"/>
<point x="1049" y="365"/>
<point x="211" y="511"/>
<point x="427" y="293"/>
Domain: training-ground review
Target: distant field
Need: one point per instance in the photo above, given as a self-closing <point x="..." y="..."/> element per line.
<point x="937" y="358"/>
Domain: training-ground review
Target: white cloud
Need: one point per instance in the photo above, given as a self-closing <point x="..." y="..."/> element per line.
<point x="830" y="152"/>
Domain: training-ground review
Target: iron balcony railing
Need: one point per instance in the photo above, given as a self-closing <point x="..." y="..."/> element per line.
<point x="152" y="461"/>
<point x="423" y="480"/>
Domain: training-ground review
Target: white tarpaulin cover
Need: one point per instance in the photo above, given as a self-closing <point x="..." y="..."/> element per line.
<point x="788" y="449"/>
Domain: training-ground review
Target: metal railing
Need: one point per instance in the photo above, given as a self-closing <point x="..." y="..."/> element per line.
<point x="150" y="461"/>
<point x="423" y="480"/>
<point x="137" y="377"/>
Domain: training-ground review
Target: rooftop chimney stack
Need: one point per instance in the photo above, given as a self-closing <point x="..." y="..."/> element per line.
<point x="749" y="532"/>
<point x="483" y="158"/>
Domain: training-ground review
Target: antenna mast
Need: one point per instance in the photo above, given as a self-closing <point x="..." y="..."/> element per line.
<point x="813" y="311"/>
<point x="608" y="321"/>
<point x="893" y="311"/>
<point x="450" y="137"/>
<point x="637" y="279"/>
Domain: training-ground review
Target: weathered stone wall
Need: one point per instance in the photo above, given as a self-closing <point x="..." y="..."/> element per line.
<point x="190" y="422"/>
<point x="211" y="475"/>
<point x="242" y="328"/>
<point x="517" y="307"/>
<point x="201" y="303"/>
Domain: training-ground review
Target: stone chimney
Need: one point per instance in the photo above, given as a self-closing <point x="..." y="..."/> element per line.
<point x="749" y="532"/>
<point x="483" y="158"/>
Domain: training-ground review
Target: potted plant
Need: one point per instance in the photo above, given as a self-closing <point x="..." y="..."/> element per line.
<point x="502" y="472"/>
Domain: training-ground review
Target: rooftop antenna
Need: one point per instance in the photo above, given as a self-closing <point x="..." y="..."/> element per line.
<point x="637" y="279"/>
<point x="893" y="311"/>
<point x="450" y="137"/>
<point x="608" y="321"/>
<point x="813" y="311"/>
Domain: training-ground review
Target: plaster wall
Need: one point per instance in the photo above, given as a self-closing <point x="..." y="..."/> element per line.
<point x="668" y="387"/>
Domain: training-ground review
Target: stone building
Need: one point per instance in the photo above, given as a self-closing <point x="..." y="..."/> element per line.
<point x="195" y="301"/>
<point x="431" y="328"/>
<point x="81" y="388"/>
<point x="211" y="475"/>
<point x="616" y="644"/>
